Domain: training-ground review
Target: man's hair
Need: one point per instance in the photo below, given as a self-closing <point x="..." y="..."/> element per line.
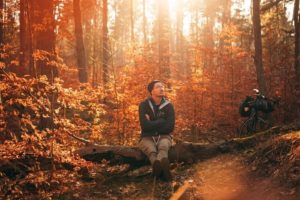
<point x="151" y="85"/>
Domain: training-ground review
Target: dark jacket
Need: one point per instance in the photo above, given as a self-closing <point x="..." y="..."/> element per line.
<point x="162" y="117"/>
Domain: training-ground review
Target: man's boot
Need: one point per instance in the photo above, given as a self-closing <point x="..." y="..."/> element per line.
<point x="156" y="168"/>
<point x="165" y="165"/>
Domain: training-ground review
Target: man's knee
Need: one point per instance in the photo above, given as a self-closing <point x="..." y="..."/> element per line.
<point x="165" y="144"/>
<point x="147" y="146"/>
<point x="164" y="147"/>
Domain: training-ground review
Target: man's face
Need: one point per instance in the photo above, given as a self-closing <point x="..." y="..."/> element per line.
<point x="158" y="90"/>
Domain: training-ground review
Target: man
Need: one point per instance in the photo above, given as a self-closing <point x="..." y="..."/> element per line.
<point x="157" y="120"/>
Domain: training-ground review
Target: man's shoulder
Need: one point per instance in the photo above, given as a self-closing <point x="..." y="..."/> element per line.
<point x="170" y="104"/>
<point x="166" y="104"/>
<point x="168" y="101"/>
<point x="144" y="102"/>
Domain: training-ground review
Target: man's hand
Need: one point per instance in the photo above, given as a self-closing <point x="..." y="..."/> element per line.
<point x="147" y="117"/>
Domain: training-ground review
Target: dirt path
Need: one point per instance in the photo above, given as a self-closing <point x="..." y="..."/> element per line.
<point x="227" y="178"/>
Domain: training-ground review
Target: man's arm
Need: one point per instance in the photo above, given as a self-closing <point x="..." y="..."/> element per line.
<point x="148" y="125"/>
<point x="170" y="121"/>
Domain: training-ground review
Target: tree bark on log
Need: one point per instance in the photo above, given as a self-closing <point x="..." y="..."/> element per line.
<point x="182" y="152"/>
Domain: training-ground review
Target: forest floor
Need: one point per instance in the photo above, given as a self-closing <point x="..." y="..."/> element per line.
<point x="270" y="171"/>
<point x="225" y="177"/>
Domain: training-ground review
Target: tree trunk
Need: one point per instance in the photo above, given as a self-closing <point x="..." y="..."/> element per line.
<point x="105" y="52"/>
<point x="43" y="24"/>
<point x="25" y="39"/>
<point x="22" y="32"/>
<point x="258" y="47"/>
<point x="131" y="22"/>
<point x="1" y="22"/>
<point x="81" y="56"/>
<point x="297" y="53"/>
<point x="144" y="23"/>
<point x="297" y="37"/>
<point x="163" y="40"/>
<point x="226" y="15"/>
<point x="179" y="39"/>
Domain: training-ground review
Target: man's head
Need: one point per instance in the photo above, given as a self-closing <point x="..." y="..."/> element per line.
<point x="156" y="88"/>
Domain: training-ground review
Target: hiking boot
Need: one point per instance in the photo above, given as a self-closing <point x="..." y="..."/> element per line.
<point x="165" y="165"/>
<point x="156" y="168"/>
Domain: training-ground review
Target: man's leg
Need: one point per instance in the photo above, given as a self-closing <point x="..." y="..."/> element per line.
<point x="163" y="146"/>
<point x="148" y="147"/>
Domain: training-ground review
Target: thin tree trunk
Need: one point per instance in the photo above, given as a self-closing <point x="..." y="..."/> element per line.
<point x="297" y="37"/>
<point x="1" y="34"/>
<point x="1" y="22"/>
<point x="226" y="15"/>
<point x="22" y="32"/>
<point x="31" y="68"/>
<point x="297" y="52"/>
<point x="42" y="15"/>
<point x="25" y="41"/>
<point x="144" y="23"/>
<point x="258" y="47"/>
<point x="131" y="22"/>
<point x="196" y="25"/>
<point x="105" y="53"/>
<point x="95" y="57"/>
<point x="163" y="40"/>
<point x="179" y="38"/>
<point x="226" y="12"/>
<point x="81" y="56"/>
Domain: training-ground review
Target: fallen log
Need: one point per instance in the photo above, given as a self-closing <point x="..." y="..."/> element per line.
<point x="20" y="167"/>
<point x="181" y="152"/>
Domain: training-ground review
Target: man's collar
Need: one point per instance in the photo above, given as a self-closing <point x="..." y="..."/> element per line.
<point x="153" y="102"/>
<point x="162" y="104"/>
